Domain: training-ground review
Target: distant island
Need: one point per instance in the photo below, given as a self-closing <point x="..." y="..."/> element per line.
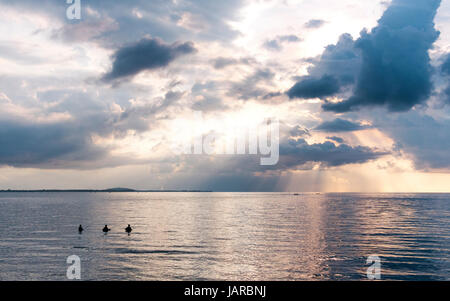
<point x="118" y="189"/>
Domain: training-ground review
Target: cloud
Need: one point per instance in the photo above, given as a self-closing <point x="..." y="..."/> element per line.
<point x="298" y="131"/>
<point x="395" y="70"/>
<point x="336" y="139"/>
<point x="277" y="43"/>
<point x="273" y="45"/>
<point x="223" y="62"/>
<point x="63" y="133"/>
<point x="20" y="52"/>
<point x="84" y="125"/>
<point x="295" y="154"/>
<point x="388" y="66"/>
<point x="271" y="95"/>
<point x="445" y="67"/>
<point x="311" y="87"/>
<point x="134" y="19"/>
<point x="447" y="94"/>
<point x="335" y="69"/>
<point x="206" y="97"/>
<point x="147" y="54"/>
<point x="90" y="30"/>
<point x="342" y="61"/>
<point x="315" y="23"/>
<point x="299" y="152"/>
<point x="217" y="25"/>
<point x="210" y="104"/>
<point x="46" y="145"/>
<point x="426" y="140"/>
<point x="243" y="173"/>
<point x="250" y="87"/>
<point x="340" y="125"/>
<point x="139" y="117"/>
<point x="289" y="38"/>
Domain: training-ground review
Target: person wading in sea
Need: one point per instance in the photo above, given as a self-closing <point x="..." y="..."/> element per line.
<point x="106" y="229"/>
<point x="128" y="229"/>
<point x="80" y="229"/>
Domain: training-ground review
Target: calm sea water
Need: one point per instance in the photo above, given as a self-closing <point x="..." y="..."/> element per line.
<point x="225" y="236"/>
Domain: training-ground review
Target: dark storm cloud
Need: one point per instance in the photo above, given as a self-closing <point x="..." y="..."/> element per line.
<point x="332" y="71"/>
<point x="395" y="70"/>
<point x="342" y="61"/>
<point x="314" y="23"/>
<point x="243" y="173"/>
<point x="388" y="66"/>
<point x="28" y="144"/>
<point x="277" y="43"/>
<point x="295" y="154"/>
<point x="147" y="54"/>
<point x="340" y="125"/>
<point x="312" y="87"/>
<point x="298" y="152"/>
<point x="69" y="143"/>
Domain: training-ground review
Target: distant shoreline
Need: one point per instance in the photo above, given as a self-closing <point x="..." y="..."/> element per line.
<point x="187" y="190"/>
<point x="100" y="190"/>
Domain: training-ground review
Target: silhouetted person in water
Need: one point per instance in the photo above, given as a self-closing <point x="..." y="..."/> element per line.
<point x="106" y="229"/>
<point x="80" y="229"/>
<point x="128" y="229"/>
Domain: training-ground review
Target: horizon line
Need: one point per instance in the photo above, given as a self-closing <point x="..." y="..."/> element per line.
<point x="211" y="191"/>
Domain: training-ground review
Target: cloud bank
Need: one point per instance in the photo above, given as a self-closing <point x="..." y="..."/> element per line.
<point x="340" y="125"/>
<point x="393" y="68"/>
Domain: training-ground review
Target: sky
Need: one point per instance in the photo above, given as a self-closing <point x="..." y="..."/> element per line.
<point x="361" y="91"/>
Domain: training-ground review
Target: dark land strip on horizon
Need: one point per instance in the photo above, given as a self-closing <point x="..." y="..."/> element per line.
<point x="101" y="190"/>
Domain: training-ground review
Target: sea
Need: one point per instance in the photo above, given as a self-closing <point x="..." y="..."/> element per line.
<point x="224" y="236"/>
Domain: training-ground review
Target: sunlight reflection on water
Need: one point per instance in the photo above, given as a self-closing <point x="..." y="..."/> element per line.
<point x="224" y="236"/>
